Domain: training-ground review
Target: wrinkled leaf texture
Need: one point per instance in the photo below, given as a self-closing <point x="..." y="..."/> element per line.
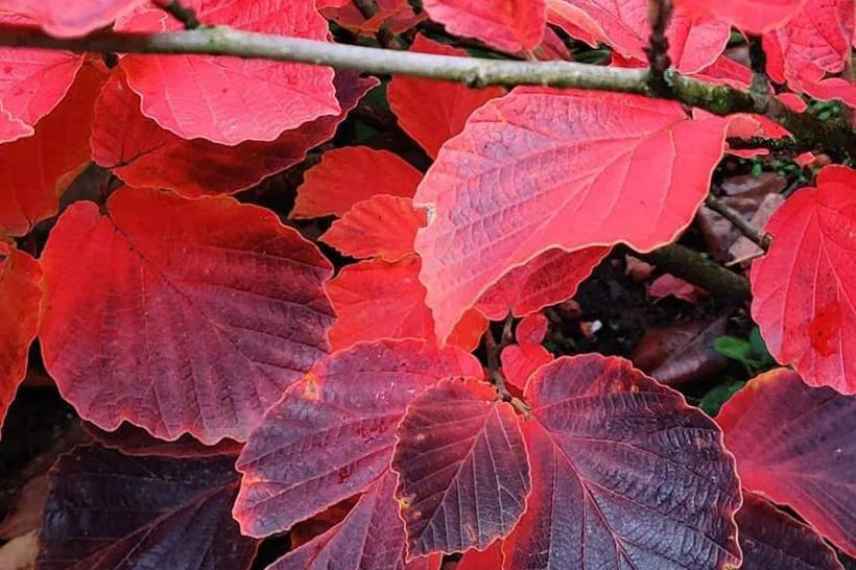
<point x="39" y="168"/>
<point x="374" y="299"/>
<point x="624" y="475"/>
<point x="32" y="82"/>
<point x="349" y="175"/>
<point x="180" y="316"/>
<point x="771" y="538"/>
<point x="510" y="25"/>
<point x="549" y="279"/>
<point x="751" y="16"/>
<point x="174" y="513"/>
<point x="382" y="227"/>
<point x="540" y="168"/>
<point x="333" y="433"/>
<point x="464" y="474"/>
<point x="430" y="111"/>
<point x="144" y="155"/>
<point x="229" y="100"/>
<point x="370" y="538"/>
<point x="794" y="444"/>
<point x="804" y="289"/>
<point x="78" y="18"/>
<point x="20" y="289"/>
<point x="695" y="41"/>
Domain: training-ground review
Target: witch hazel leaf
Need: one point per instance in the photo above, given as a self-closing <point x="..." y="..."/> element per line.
<point x="443" y="106"/>
<point x="751" y="16"/>
<point x="154" y="267"/>
<point x="132" y="440"/>
<point x="482" y="560"/>
<point x="794" y="445"/>
<point x="813" y="44"/>
<point x="197" y="96"/>
<point x="383" y="227"/>
<point x="500" y="194"/>
<point x="771" y="538"/>
<point x="624" y="475"/>
<point x="61" y="19"/>
<point x="333" y="433"/>
<point x="464" y="475"/>
<point x="32" y="82"/>
<point x="549" y="279"/>
<point x="802" y="288"/>
<point x="395" y="16"/>
<point x="509" y="25"/>
<point x="375" y="299"/>
<point x="20" y="278"/>
<point x="38" y="169"/>
<point x="520" y="360"/>
<point x="175" y="514"/>
<point x="370" y="538"/>
<point x="346" y="176"/>
<point x="144" y="155"/>
<point x="695" y="41"/>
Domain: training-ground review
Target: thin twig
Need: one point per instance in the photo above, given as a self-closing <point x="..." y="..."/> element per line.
<point x="494" y="367"/>
<point x="659" y="16"/>
<point x="760" y="238"/>
<point x="185" y="15"/>
<point x="699" y="270"/>
<point x="835" y="137"/>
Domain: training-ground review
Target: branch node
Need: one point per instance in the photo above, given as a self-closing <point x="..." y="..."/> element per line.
<point x="659" y="15"/>
<point x="185" y="15"/>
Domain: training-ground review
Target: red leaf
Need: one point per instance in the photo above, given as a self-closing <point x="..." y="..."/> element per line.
<point x="549" y="279"/>
<point x="63" y="19"/>
<point x="349" y="175"/>
<point x="131" y="440"/>
<point x="500" y="193"/>
<point x="532" y="329"/>
<point x="107" y="511"/>
<point x="375" y="299"/>
<point x="38" y="169"/>
<point x="383" y="226"/>
<point x="751" y="16"/>
<point x="395" y="16"/>
<point x="681" y="352"/>
<point x="770" y="538"/>
<point x="231" y="100"/>
<point x="432" y="112"/>
<point x="463" y="470"/>
<point x="146" y="156"/>
<point x="803" y="289"/>
<point x="180" y="316"/>
<point x="370" y="538"/>
<point x="32" y="83"/>
<point x="695" y="41"/>
<point x="794" y="444"/>
<point x="20" y="278"/>
<point x="490" y="559"/>
<point x="509" y="25"/>
<point x="669" y="285"/>
<point x="813" y="44"/>
<point x="520" y="360"/>
<point x="624" y="474"/>
<point x="726" y="71"/>
<point x="333" y="433"/>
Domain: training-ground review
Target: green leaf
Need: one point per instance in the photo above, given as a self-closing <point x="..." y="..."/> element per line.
<point x="713" y="400"/>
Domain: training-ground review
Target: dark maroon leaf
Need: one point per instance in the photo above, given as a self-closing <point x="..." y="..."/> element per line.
<point x="681" y="352"/>
<point x="109" y="511"/>
<point x="463" y="467"/>
<point x="772" y="539"/>
<point x="625" y="475"/>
